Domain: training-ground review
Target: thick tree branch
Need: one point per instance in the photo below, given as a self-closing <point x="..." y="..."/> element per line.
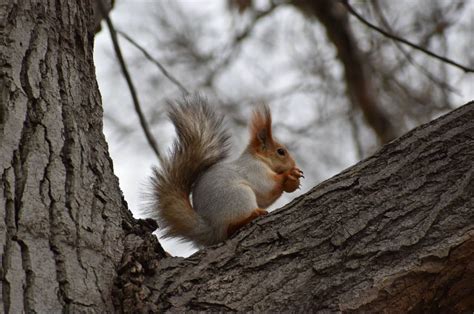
<point x="393" y="233"/>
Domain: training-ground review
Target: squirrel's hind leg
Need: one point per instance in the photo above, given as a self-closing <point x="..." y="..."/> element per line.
<point x="234" y="226"/>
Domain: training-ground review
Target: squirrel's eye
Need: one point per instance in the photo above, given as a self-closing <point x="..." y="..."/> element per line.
<point x="281" y="151"/>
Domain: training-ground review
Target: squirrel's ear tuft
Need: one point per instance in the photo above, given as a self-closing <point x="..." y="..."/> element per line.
<point x="261" y="127"/>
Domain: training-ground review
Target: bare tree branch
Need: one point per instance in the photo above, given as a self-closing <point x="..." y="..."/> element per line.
<point x="402" y="40"/>
<point x="156" y="62"/>
<point x="126" y="74"/>
<point x="358" y="146"/>
<point x="235" y="46"/>
<point x="359" y="85"/>
<point x="442" y="83"/>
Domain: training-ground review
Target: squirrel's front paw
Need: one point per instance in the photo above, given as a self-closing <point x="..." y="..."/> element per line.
<point x="296" y="173"/>
<point x="292" y="181"/>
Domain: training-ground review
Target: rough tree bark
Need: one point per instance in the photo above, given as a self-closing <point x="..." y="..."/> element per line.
<point x="394" y="233"/>
<point x="60" y="205"/>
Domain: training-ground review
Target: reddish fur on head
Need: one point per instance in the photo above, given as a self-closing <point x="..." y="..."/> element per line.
<point x="262" y="144"/>
<point x="261" y="127"/>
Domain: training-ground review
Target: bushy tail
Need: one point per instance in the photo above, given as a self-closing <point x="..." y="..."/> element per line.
<point x="201" y="142"/>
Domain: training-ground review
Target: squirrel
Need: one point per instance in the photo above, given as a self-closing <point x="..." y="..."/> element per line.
<point x="226" y="195"/>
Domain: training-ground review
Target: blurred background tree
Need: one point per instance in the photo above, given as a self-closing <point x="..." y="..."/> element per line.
<point x="338" y="89"/>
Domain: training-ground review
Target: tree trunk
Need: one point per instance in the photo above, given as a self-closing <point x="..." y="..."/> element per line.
<point x="61" y="234"/>
<point x="394" y="233"/>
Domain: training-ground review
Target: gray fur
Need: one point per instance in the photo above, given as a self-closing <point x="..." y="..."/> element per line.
<point x="226" y="192"/>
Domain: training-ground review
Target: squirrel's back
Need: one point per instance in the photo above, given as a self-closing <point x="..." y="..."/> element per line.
<point x="201" y="142"/>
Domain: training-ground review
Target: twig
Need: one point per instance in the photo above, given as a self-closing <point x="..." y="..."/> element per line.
<point x="402" y="40"/>
<point x="123" y="66"/>
<point x="156" y="62"/>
